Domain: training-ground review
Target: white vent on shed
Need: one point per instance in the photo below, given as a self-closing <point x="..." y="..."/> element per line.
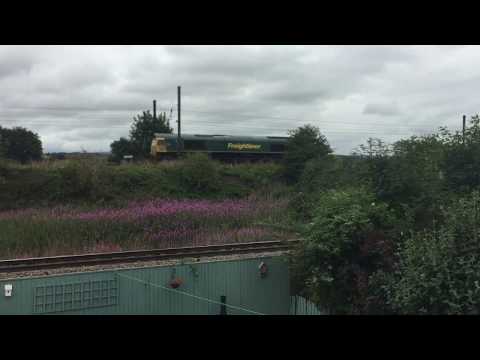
<point x="8" y="290"/>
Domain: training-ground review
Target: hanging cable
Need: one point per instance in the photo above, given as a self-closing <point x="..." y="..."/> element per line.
<point x="190" y="295"/>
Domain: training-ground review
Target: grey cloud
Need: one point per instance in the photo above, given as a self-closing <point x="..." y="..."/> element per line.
<point x="382" y="109"/>
<point x="86" y="96"/>
<point x="294" y="95"/>
<point x="14" y="61"/>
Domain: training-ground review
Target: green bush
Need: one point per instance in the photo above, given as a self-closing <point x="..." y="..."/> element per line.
<point x="4" y="171"/>
<point x="4" y="168"/>
<point x="351" y="237"/>
<point x="199" y="175"/>
<point x="254" y="174"/>
<point x="438" y="270"/>
<point x="462" y="163"/>
<point x="320" y="175"/>
<point x="83" y="179"/>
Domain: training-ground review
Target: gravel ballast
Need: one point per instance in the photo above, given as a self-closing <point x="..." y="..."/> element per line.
<point x="134" y="265"/>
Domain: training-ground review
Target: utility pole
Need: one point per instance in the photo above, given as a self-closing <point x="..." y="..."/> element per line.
<point x="179" y="134"/>
<point x="154" y="109"/>
<point x="463" y="132"/>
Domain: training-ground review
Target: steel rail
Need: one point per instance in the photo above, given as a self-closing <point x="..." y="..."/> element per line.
<point x="62" y="261"/>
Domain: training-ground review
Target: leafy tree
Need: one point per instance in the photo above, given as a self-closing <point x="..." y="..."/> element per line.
<point x="305" y="143"/>
<point x="20" y="144"/>
<point x="3" y="144"/>
<point x="462" y="164"/>
<point x="122" y="147"/>
<point x="143" y="129"/>
<point x="142" y="133"/>
<point x="416" y="178"/>
<point x="408" y="173"/>
<point x="375" y="155"/>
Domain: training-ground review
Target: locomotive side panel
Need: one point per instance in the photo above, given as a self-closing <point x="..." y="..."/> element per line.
<point x="220" y="146"/>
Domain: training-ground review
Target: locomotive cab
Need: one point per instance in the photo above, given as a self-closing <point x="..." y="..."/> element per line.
<point x="159" y="145"/>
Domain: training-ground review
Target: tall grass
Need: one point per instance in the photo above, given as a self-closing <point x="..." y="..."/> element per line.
<point x="155" y="223"/>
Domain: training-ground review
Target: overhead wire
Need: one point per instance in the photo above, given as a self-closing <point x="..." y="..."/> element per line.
<point x="217" y="128"/>
<point x="189" y="294"/>
<point x="109" y="123"/>
<point x="169" y="108"/>
<point x="109" y="115"/>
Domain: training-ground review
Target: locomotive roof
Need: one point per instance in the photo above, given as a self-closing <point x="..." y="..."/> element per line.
<point x="280" y="139"/>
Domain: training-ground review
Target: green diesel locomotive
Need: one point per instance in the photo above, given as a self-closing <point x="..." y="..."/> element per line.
<point x="220" y="147"/>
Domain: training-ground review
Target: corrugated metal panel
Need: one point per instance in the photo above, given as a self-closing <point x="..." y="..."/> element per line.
<point x="302" y="306"/>
<point x="142" y="291"/>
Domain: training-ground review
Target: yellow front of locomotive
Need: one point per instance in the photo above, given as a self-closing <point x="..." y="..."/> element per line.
<point x="159" y="146"/>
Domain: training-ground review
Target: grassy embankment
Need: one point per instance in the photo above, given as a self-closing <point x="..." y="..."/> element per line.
<point x="87" y="205"/>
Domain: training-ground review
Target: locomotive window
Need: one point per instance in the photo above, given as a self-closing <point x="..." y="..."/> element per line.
<point x="278" y="147"/>
<point x="194" y="145"/>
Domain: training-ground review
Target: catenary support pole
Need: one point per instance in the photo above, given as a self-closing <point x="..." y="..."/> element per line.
<point x="179" y="133"/>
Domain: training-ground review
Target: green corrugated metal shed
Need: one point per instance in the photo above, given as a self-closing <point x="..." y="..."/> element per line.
<point x="146" y="291"/>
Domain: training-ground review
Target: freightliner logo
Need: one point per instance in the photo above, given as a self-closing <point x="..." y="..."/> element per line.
<point x="244" y="146"/>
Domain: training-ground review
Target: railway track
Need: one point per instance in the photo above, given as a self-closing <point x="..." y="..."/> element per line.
<point x="53" y="262"/>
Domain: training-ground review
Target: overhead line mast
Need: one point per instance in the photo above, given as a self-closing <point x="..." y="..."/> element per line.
<point x="179" y="134"/>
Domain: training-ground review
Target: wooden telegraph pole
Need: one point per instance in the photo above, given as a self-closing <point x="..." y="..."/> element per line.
<point x="463" y="131"/>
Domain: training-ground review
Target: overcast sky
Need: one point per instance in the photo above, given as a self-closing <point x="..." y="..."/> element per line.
<point x="84" y="97"/>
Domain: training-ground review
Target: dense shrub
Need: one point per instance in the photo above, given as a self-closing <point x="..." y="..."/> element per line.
<point x="4" y="170"/>
<point x="322" y="174"/>
<point x="462" y="163"/>
<point x="438" y="270"/>
<point x="199" y="174"/>
<point x="407" y="174"/>
<point x="350" y="237"/>
<point x="87" y="180"/>
<point x="254" y="174"/>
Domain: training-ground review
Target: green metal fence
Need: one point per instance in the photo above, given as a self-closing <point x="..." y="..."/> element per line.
<point x="231" y="287"/>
